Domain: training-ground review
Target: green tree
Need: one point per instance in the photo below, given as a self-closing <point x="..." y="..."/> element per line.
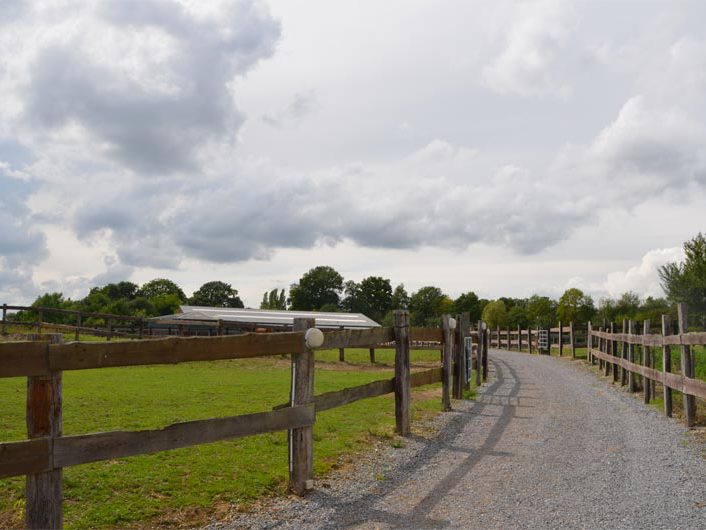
<point x="319" y="287"/>
<point x="541" y="311"/>
<point x="653" y="308"/>
<point x="686" y="281"/>
<point x="274" y="299"/>
<point x="216" y="294"/>
<point x="495" y="314"/>
<point x="400" y="298"/>
<point x="517" y="316"/>
<point x="161" y="286"/>
<point x="469" y="302"/>
<point x="427" y="305"/>
<point x="165" y="304"/>
<point x="119" y="291"/>
<point x="575" y="306"/>
<point x="375" y="295"/>
<point x="53" y="300"/>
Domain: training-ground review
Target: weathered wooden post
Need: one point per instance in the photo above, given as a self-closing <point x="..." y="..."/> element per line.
<point x="498" y="332"/>
<point x="479" y="353"/>
<point x="110" y="329"/>
<point x="529" y="339"/>
<point x="647" y="385"/>
<point x="402" y="382"/>
<point x="600" y="348"/>
<point x="463" y="328"/>
<point x="608" y="349"/>
<point x="40" y="317"/>
<point x="141" y="324"/>
<point x="341" y="351"/>
<point x="572" y="339"/>
<point x="77" y="332"/>
<point x="687" y="366"/>
<point x="666" y="366"/>
<point x="614" y="352"/>
<point x="519" y="338"/>
<point x="484" y="362"/>
<point x="44" y="491"/>
<point x="372" y="355"/>
<point x="589" y="343"/>
<point x="561" y="339"/>
<point x="301" y="439"/>
<point x="4" y="318"/>
<point x="446" y="367"/>
<point x="624" y="355"/>
<point x="632" y="384"/>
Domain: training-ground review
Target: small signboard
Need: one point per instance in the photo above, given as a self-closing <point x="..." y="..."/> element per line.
<point x="543" y="339"/>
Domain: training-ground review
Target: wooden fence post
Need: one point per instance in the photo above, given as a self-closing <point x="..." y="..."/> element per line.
<point x="600" y="349"/>
<point x="687" y="366"/>
<point x="40" y="317"/>
<point x="4" y="318"/>
<point x="446" y="366"/>
<point x="632" y="384"/>
<point x="141" y="324"/>
<point x="110" y="329"/>
<point x="498" y="331"/>
<point x="529" y="339"/>
<point x="624" y="355"/>
<point x="589" y="343"/>
<point x="614" y="352"/>
<point x="647" y="385"/>
<point x="402" y="381"/>
<point x="561" y="339"/>
<point x="667" y="367"/>
<point x="484" y="362"/>
<point x="44" y="491"/>
<point x="609" y="351"/>
<point x="301" y="440"/>
<point x="463" y="329"/>
<point x="372" y="355"/>
<point x="479" y="353"/>
<point x="519" y="338"/>
<point x="341" y="351"/>
<point x="572" y="339"/>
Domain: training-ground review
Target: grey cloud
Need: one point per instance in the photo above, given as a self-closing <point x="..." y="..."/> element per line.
<point x="20" y="242"/>
<point x="152" y="130"/>
<point x="301" y="106"/>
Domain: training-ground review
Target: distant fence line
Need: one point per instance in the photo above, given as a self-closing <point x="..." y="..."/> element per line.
<point x="43" y="456"/>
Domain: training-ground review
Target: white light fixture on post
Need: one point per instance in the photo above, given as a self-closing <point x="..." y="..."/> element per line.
<point x="313" y="338"/>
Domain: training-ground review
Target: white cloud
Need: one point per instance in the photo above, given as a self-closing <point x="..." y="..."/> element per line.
<point x="528" y="63"/>
<point x="643" y="278"/>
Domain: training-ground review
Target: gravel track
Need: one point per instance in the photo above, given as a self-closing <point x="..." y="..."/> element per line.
<point x="546" y="444"/>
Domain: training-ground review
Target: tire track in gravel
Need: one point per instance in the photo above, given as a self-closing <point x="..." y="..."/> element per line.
<point x="545" y="445"/>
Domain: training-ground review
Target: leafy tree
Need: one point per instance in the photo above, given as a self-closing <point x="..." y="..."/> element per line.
<point x="375" y="294"/>
<point x="329" y="308"/>
<point x="686" y="281"/>
<point x="54" y="300"/>
<point x="427" y="305"/>
<point x="319" y="287"/>
<point x="165" y="304"/>
<point x="118" y="291"/>
<point x="216" y="294"/>
<point x="161" y="286"/>
<point x="653" y="308"/>
<point x="400" y="298"/>
<point x="575" y="306"/>
<point x="469" y="302"/>
<point x="495" y="314"/>
<point x="274" y="300"/>
<point x="517" y="316"/>
<point x="352" y="301"/>
<point x="541" y="311"/>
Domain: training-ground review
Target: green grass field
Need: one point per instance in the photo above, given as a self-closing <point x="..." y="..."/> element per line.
<point x="194" y="483"/>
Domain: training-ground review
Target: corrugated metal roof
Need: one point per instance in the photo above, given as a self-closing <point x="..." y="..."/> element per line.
<point x="268" y="317"/>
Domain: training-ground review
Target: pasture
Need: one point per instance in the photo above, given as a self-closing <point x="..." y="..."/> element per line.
<point x="191" y="485"/>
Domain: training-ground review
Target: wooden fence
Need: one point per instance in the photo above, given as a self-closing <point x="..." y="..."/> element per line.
<point x="630" y="356"/>
<point x="135" y="325"/>
<point x="43" y="456"/>
<point x="518" y="339"/>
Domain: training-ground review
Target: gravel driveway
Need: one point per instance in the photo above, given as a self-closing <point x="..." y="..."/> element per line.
<point x="546" y="445"/>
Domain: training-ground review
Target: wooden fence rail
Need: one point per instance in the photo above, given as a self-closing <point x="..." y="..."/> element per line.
<point x="560" y="337"/>
<point x="43" y="456"/>
<point x="603" y="346"/>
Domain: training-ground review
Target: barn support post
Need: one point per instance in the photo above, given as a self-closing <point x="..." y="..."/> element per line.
<point x="341" y="351"/>
<point x="403" y="387"/>
<point x="301" y="439"/>
<point x="44" y="491"/>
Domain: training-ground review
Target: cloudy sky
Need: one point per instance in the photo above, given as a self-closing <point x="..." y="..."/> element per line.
<point x="508" y="148"/>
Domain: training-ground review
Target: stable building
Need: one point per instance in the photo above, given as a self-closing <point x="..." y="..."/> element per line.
<point x="197" y="320"/>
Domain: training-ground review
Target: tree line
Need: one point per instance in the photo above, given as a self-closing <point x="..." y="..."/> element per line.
<point x="324" y="289"/>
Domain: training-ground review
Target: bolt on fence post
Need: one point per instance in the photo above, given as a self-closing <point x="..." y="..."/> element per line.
<point x="687" y="367"/>
<point x="301" y="439"/>
<point x="402" y="380"/>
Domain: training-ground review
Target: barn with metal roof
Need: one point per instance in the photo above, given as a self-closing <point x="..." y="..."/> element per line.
<point x="197" y="320"/>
